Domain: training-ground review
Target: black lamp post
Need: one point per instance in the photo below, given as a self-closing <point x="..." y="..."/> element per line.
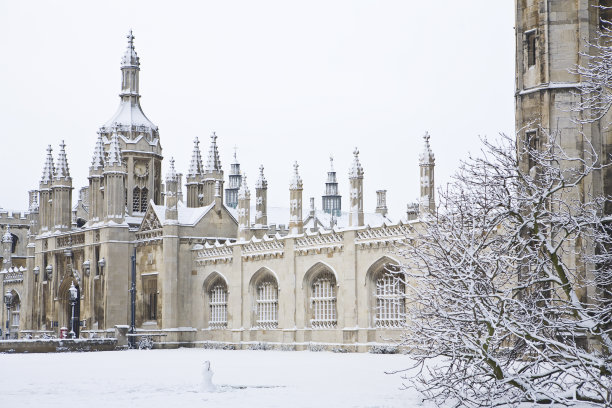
<point x="8" y="298"/>
<point x="73" y="299"/>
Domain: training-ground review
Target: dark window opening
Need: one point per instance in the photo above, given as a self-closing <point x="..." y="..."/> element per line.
<point x="605" y="14"/>
<point x="533" y="144"/>
<point x="531" y="48"/>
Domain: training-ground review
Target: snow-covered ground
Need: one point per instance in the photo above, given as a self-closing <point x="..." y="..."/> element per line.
<point x="173" y="378"/>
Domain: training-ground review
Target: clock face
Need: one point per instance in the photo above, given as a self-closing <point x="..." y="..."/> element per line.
<point x="140" y="169"/>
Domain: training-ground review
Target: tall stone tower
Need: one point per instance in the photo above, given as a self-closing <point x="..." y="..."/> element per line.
<point x="427" y="164"/>
<point x="172" y="181"/>
<point x="549" y="39"/>
<point x="231" y="192"/>
<point x="212" y="173"/>
<point x="261" y="199"/>
<point x="332" y="201"/>
<point x="296" y="223"/>
<point x="96" y="181"/>
<point x="138" y="138"/>
<point x="244" y="210"/>
<point x="44" y="191"/>
<point x="114" y="183"/>
<point x="61" y="190"/>
<point x="356" y="192"/>
<point x="194" y="175"/>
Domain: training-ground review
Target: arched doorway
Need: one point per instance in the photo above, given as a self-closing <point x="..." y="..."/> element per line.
<point x="65" y="309"/>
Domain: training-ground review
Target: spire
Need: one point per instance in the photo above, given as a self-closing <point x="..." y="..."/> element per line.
<point x="296" y="181"/>
<point x="261" y="181"/>
<point x="356" y="170"/>
<point x="7" y="237"/>
<point x="61" y="170"/>
<point x="114" y="152"/>
<point x="97" y="162"/>
<point x="213" y="163"/>
<point x="243" y="192"/>
<point x="171" y="175"/>
<point x="49" y="169"/>
<point x="130" y="58"/>
<point x="195" y="166"/>
<point x="427" y="156"/>
<point x="235" y="157"/>
<point x="331" y="164"/>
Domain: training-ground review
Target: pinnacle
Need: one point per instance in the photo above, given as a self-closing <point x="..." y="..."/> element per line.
<point x="171" y="176"/>
<point x="296" y="181"/>
<point x="243" y="192"/>
<point x="114" y="152"/>
<point x="130" y="58"/>
<point x="195" y="166"/>
<point x="97" y="161"/>
<point x="48" y="169"/>
<point x="427" y="156"/>
<point x="62" y="171"/>
<point x="213" y="163"/>
<point x="261" y="181"/>
<point x="356" y="170"/>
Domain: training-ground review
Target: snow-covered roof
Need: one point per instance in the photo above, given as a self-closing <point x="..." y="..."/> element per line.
<point x="129" y="113"/>
<point x="280" y="215"/>
<point x="187" y="216"/>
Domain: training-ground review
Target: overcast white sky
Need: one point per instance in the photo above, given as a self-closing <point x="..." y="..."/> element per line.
<point x="282" y="80"/>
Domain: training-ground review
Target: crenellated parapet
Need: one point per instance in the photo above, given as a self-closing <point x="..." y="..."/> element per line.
<point x="318" y="242"/>
<point x="213" y="253"/>
<point x="265" y="248"/>
<point x="384" y="235"/>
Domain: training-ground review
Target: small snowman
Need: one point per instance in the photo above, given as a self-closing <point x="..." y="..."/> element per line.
<point x="207" y="385"/>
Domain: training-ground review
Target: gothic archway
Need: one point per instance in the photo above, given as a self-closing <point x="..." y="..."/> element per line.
<point x="65" y="309"/>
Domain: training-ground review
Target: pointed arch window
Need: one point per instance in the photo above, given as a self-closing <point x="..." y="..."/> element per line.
<point x="217" y="303"/>
<point x="323" y="301"/>
<point x="390" y="301"/>
<point x="266" y="303"/>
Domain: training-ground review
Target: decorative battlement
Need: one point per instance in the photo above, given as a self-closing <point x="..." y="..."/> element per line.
<point x="14" y="217"/>
<point x="327" y="241"/>
<point x="13" y="275"/>
<point x="263" y="249"/>
<point x="383" y="236"/>
<point x="70" y="240"/>
<point x="212" y="254"/>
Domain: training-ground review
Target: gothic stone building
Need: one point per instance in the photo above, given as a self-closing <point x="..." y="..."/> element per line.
<point x="205" y="269"/>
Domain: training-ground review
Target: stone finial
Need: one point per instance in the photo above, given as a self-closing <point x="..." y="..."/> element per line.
<point x="114" y="152"/>
<point x="213" y="162"/>
<point x="243" y="192"/>
<point x="296" y="181"/>
<point x="195" y="166"/>
<point x="97" y="161"/>
<point x="261" y="181"/>
<point x="427" y="156"/>
<point x="172" y="175"/>
<point x="61" y="170"/>
<point x="48" y="169"/>
<point x="331" y="164"/>
<point x="130" y="58"/>
<point x="356" y="170"/>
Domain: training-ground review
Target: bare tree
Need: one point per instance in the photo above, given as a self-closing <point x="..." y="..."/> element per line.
<point x="508" y="285"/>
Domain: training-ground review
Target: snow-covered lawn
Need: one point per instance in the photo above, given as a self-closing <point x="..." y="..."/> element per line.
<point x="172" y="378"/>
